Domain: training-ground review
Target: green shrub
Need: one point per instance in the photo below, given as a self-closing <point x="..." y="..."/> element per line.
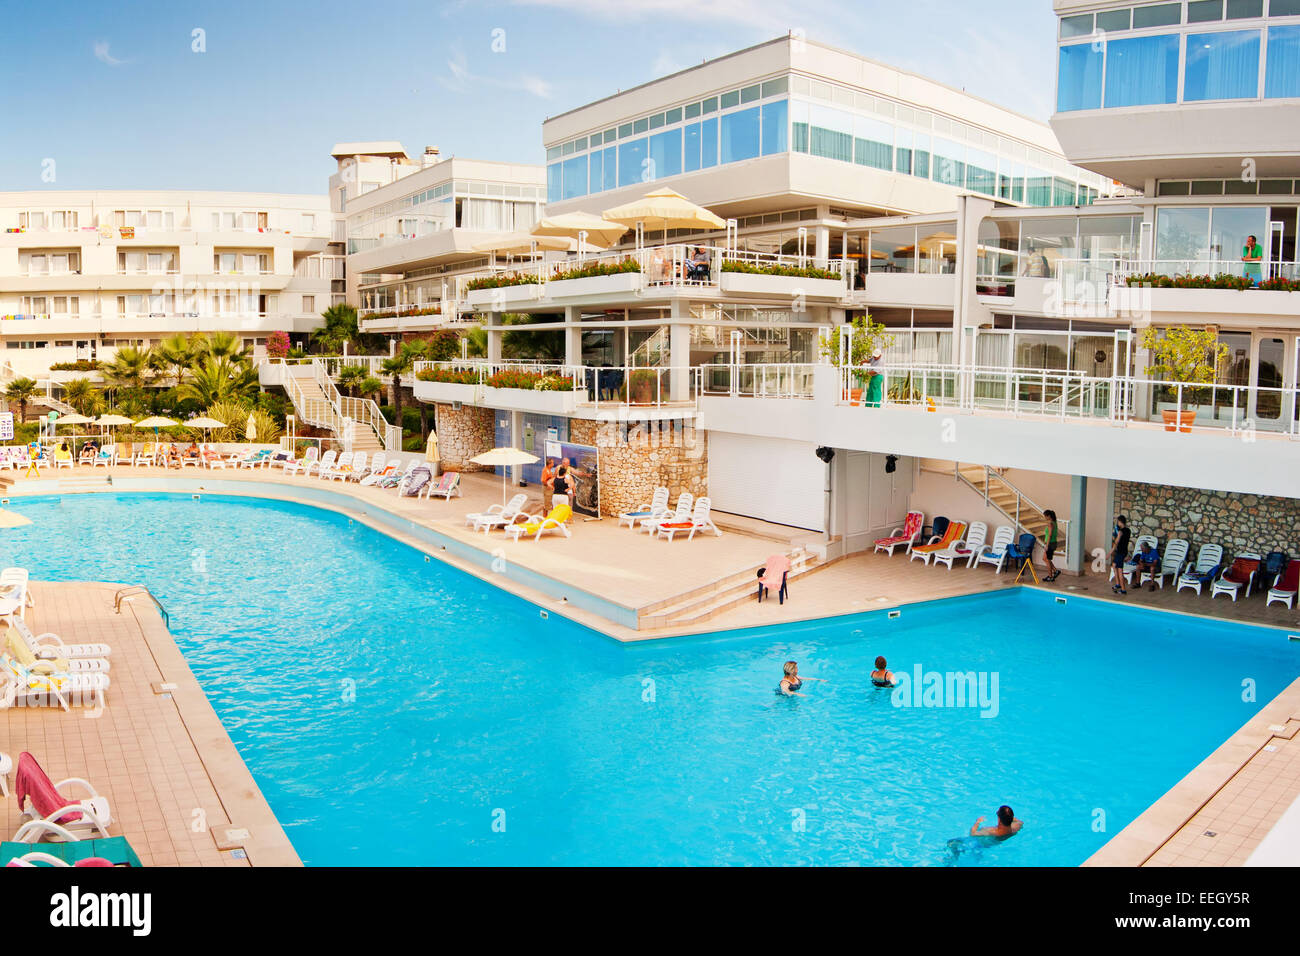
<point x="808" y="272"/>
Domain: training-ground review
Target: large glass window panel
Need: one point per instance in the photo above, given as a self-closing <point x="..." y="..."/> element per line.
<point x="1245" y="9"/>
<point x="691" y="147"/>
<point x="921" y="156"/>
<point x="776" y="120"/>
<point x="611" y="168"/>
<point x="631" y="162"/>
<point x="665" y="154"/>
<point x="1064" y="192"/>
<point x="553" y="182"/>
<point x="903" y="150"/>
<point x="1282" y="71"/>
<point x="596" y="168"/>
<point x="873" y="143"/>
<point x="937" y="249"/>
<point x="709" y="143"/>
<point x="996" y="256"/>
<point x="1222" y="66"/>
<point x="830" y="133"/>
<point x="575" y="177"/>
<point x="1182" y="233"/>
<point x="949" y="162"/>
<point x="1078" y="78"/>
<point x="1230" y="227"/>
<point x="1108" y="237"/>
<point x="1046" y="242"/>
<point x="893" y="249"/>
<point x="1142" y="70"/>
<point x="981" y="172"/>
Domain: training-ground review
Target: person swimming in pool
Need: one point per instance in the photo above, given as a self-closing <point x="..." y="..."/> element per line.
<point x="1007" y="826"/>
<point x="882" y="676"/>
<point x="791" y="682"/>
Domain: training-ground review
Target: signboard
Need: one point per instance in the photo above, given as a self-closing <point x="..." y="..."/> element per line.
<point x="584" y="475"/>
<point x="127" y="232"/>
<point x="6" y="426"/>
<point x="552" y="434"/>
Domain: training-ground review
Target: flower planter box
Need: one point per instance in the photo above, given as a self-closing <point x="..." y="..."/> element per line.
<point x="757" y="284"/>
<point x="446" y="392"/>
<point x="530" y="400"/>
<point x="1138" y="300"/>
<point x="504" y="295"/>
<point x="594" y="285"/>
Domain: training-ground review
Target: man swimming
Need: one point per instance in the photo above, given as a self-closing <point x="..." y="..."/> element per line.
<point x="1007" y="826"/>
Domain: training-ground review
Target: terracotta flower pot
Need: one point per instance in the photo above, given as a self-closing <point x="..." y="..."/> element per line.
<point x="1178" y="421"/>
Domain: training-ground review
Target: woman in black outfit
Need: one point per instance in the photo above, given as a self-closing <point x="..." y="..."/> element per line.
<point x="1119" y="554"/>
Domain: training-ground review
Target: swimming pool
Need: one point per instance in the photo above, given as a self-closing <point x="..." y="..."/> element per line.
<point x="394" y="710"/>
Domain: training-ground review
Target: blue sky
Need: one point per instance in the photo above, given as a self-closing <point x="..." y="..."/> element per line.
<point x="117" y="97"/>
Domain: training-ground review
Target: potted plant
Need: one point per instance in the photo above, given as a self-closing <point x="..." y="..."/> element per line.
<point x="640" y="387"/>
<point x="867" y="337"/>
<point x="1182" y="355"/>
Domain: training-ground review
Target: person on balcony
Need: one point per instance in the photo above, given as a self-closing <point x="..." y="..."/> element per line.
<point x="875" y="379"/>
<point x="698" y="269"/>
<point x="1252" y="254"/>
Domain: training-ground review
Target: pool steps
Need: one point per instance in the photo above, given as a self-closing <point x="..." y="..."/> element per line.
<point x="703" y="603"/>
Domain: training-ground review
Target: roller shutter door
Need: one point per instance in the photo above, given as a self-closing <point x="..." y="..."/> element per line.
<point x="769" y="478"/>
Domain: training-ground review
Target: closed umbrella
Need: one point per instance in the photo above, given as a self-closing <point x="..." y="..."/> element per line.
<point x="250" y="432"/>
<point x="431" y="448"/>
<point x="503" y="458"/>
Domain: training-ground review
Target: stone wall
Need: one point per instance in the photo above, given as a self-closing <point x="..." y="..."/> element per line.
<point x="1236" y="521"/>
<point x="635" y="458"/>
<point x="464" y="433"/>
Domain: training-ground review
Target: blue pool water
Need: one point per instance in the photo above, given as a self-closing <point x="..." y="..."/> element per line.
<point x="397" y="711"/>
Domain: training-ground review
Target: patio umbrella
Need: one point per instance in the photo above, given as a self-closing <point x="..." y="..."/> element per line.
<point x="667" y="208"/>
<point x="155" y="422"/>
<point x="524" y="244"/>
<point x="504" y="457"/>
<point x="74" y="419"/>
<point x="204" y="423"/>
<point x="112" y="421"/>
<point x="600" y="232"/>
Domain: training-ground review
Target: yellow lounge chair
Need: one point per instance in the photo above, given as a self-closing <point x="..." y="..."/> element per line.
<point x="536" y="525"/>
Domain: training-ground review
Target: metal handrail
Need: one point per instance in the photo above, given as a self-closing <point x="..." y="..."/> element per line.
<point x="134" y="589"/>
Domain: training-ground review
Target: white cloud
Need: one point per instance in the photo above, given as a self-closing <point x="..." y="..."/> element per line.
<point x="103" y="56"/>
<point x="462" y="78"/>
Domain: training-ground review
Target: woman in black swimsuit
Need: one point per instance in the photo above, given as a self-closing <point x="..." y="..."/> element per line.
<point x="791" y="682"/>
<point x="882" y="676"/>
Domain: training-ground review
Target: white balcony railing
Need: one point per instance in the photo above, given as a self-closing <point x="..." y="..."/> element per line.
<point x="604" y="385"/>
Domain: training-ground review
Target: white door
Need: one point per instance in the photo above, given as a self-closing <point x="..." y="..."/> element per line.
<point x="768" y="478"/>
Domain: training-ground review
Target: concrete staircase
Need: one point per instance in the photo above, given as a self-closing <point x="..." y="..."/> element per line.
<point x="317" y="407"/>
<point x="702" y="604"/>
<point x="1005" y="497"/>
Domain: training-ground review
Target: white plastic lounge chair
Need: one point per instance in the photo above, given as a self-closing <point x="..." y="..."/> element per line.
<point x="657" y="505"/>
<point x="951" y="535"/>
<point x="1284" y="589"/>
<point x="496" y="515"/>
<point x="1208" y="563"/>
<point x="322" y="465"/>
<point x="996" y="553"/>
<point x="66" y="811"/>
<point x="377" y="461"/>
<point x="965" y="549"/>
<point x="15" y="594"/>
<point x="903" y="537"/>
<point x="22" y="652"/>
<point x="535" y="526"/>
<point x="255" y="460"/>
<point x="1130" y="566"/>
<point x="700" y="520"/>
<point x="400" y="475"/>
<point x="1172" y="561"/>
<point x="446" y="487"/>
<point x="339" y="468"/>
<point x="39" y="687"/>
<point x="107" y="456"/>
<point x="1242" y="573"/>
<point x="50" y="645"/>
<point x="147" y="455"/>
<point x="63" y="458"/>
<point x="360" y="465"/>
<point x="304" y="464"/>
<point x="685" y="502"/>
<point x="378" y="475"/>
<point x="209" y="456"/>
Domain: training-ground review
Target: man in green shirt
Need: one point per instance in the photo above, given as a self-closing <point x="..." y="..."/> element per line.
<point x="1253" y="256"/>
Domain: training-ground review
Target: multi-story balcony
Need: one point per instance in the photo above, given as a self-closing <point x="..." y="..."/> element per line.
<point x="154" y="323"/>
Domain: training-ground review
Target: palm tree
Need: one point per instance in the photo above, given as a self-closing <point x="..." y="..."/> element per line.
<point x="82" y="395"/>
<point x="397" y="366"/>
<point x="340" y="326"/>
<point x="350" y="376"/>
<point x="130" y="369"/>
<point x="219" y="345"/>
<point x="21" y="390"/>
<point x="216" y="380"/>
<point x="368" y="386"/>
<point x="173" y="355"/>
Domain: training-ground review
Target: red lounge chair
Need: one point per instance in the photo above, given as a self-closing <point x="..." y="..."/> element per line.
<point x="774" y="576"/>
<point x="1285" y="590"/>
<point x="904" y="536"/>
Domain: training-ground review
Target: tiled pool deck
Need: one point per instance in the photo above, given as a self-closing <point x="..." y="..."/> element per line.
<point x="165" y="757"/>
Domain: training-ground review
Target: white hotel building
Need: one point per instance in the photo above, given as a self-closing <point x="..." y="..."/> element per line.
<point x="998" y="251"/>
<point x="84" y="273"/>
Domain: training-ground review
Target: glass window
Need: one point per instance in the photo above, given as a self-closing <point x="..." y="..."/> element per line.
<point x="921" y="156"/>
<point x="1078" y="26"/>
<point x="1182" y="232"/>
<point x="553" y="182"/>
<point x="740" y="135"/>
<point x="949" y="162"/>
<point x="1282" y="71"/>
<point x="665" y="155"/>
<point x="1078" y="78"/>
<point x="709" y="143"/>
<point x="937" y="249"/>
<point x="1203" y="11"/>
<point x="657" y="121"/>
<point x="691" y="143"/>
<point x="1245" y="9"/>
<point x="1230" y="227"/>
<point x="673" y="116"/>
<point x="893" y="249"/>
<point x="1106" y="237"/>
<point x="596" y="167"/>
<point x="1222" y="66"/>
<point x="1111" y="21"/>
<point x="873" y="143"/>
<point x="775" y="87"/>
<point x="1044" y="243"/>
<point x="829" y="132"/>
<point x="631" y="160"/>
<point x="731" y="99"/>
<point x="903" y="150"/>
<point x="1142" y="70"/>
<point x="640" y="126"/>
<point x="750" y="93"/>
<point x="692" y="110"/>
<point x="776" y="121"/>
<point x="995" y="264"/>
<point x="611" y="135"/>
<point x="1284" y="8"/>
<point x="575" y="177"/>
<point x="1161" y="15"/>
<point x="610" y="179"/>
<point x="709" y="104"/>
<point x="981" y="172"/>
